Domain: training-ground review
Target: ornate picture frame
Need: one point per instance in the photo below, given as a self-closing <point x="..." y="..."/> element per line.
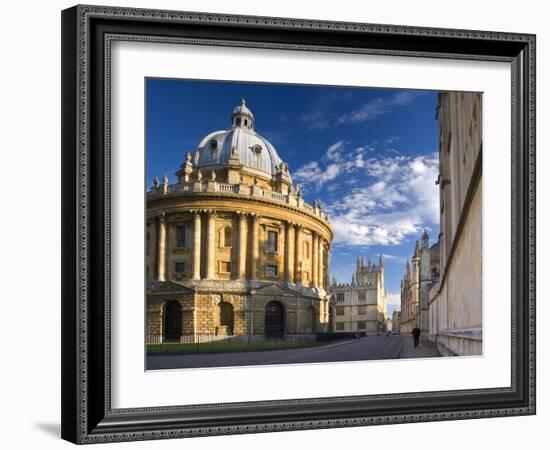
<point x="87" y="35"/>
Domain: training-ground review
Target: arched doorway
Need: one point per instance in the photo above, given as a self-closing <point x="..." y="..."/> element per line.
<point x="172" y="321"/>
<point x="274" y="320"/>
<point x="226" y="318"/>
<point x="310" y="319"/>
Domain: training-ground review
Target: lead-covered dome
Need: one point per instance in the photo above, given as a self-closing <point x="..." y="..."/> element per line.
<point x="240" y="141"/>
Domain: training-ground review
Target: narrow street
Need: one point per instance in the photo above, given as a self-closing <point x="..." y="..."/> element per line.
<point x="373" y="347"/>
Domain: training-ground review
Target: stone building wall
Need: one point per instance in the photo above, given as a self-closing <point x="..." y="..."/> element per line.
<point x="363" y="307"/>
<point x="456" y="305"/>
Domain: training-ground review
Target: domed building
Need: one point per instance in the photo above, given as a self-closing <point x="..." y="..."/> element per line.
<point x="232" y="247"/>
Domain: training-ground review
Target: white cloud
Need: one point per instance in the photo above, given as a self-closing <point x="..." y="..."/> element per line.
<point x="333" y="153"/>
<point x="390" y="199"/>
<point x="376" y="108"/>
<point x="322" y="116"/>
<point x="311" y="173"/>
<point x="394" y="299"/>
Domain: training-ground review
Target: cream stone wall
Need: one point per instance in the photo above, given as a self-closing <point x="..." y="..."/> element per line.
<point x="456" y="310"/>
<point x="455" y="303"/>
<point x="217" y="270"/>
<point x="364" y="300"/>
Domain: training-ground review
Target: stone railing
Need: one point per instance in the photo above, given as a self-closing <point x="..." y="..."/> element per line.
<point x="240" y="189"/>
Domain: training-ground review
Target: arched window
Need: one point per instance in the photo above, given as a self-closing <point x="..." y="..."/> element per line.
<point x="226" y="317"/>
<point x="172" y="321"/>
<point x="227" y="236"/>
<point x="306" y="254"/>
<point x="274" y="319"/>
<point x="180" y="236"/>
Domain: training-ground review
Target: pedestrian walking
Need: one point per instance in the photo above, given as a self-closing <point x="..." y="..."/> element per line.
<point x="416" y="335"/>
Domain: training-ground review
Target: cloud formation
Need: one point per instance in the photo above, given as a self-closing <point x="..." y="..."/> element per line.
<point x="392" y="197"/>
<point x="322" y="114"/>
<point x="377" y="107"/>
<point x="394" y="298"/>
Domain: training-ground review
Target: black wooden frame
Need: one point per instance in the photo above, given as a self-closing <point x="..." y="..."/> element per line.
<point x="87" y="31"/>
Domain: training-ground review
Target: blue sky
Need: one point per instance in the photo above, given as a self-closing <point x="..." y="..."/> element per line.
<point x="369" y="155"/>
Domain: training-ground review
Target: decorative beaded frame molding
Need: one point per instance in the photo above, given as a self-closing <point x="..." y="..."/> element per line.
<point x="87" y="34"/>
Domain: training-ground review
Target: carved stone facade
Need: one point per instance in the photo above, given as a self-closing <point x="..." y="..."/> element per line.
<point x="232" y="248"/>
<point x="361" y="305"/>
<point x="455" y="302"/>
<point x="416" y="285"/>
<point x="396" y="321"/>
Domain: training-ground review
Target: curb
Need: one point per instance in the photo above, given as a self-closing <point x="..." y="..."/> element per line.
<point x="397" y="354"/>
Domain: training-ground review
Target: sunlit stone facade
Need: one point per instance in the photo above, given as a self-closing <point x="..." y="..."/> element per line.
<point x="232" y="248"/>
<point x="455" y="302"/>
<point x="361" y="305"/>
<point x="416" y="284"/>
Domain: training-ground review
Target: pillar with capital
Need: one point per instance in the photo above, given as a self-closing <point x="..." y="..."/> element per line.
<point x="255" y="253"/>
<point x="321" y="283"/>
<point x="241" y="273"/>
<point x="315" y="259"/>
<point x="289" y="263"/>
<point x="297" y="254"/>
<point x="196" y="245"/>
<point x="161" y="246"/>
<point x="210" y="243"/>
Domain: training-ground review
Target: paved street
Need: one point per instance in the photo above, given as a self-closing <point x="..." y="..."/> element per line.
<point x="372" y="347"/>
<point x="425" y="349"/>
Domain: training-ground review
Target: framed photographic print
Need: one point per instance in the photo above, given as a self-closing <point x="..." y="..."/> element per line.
<point x="261" y="216"/>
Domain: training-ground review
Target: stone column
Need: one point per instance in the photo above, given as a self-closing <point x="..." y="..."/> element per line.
<point x="255" y="255"/>
<point x="320" y="264"/>
<point x="315" y="259"/>
<point x="241" y="274"/>
<point x="297" y="255"/>
<point x="210" y="243"/>
<point x="196" y="245"/>
<point x="288" y="256"/>
<point x="161" y="246"/>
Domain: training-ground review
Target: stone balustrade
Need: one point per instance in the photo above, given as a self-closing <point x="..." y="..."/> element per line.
<point x="234" y="189"/>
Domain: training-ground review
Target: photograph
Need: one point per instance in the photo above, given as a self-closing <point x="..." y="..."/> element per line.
<point x="281" y="222"/>
<point x="298" y="224"/>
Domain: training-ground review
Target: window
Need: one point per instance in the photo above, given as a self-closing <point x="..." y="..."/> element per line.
<point x="362" y="296"/>
<point x="340" y="311"/>
<point x="361" y="325"/>
<point x="180" y="236"/>
<point x="238" y="122"/>
<point x="227" y="236"/>
<point x="305" y="277"/>
<point x="340" y="326"/>
<point x="225" y="266"/>
<point x="272" y="241"/>
<point x="270" y="270"/>
<point x="245" y="122"/>
<point x="213" y="144"/>
<point x="340" y="297"/>
<point x="306" y="250"/>
<point x="180" y="267"/>
<point x="148" y="244"/>
<point x="362" y="310"/>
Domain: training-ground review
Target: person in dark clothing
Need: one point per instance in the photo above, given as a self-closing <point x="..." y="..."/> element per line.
<point x="416" y="335"/>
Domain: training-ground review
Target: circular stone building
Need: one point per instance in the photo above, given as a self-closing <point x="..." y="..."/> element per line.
<point x="232" y="248"/>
